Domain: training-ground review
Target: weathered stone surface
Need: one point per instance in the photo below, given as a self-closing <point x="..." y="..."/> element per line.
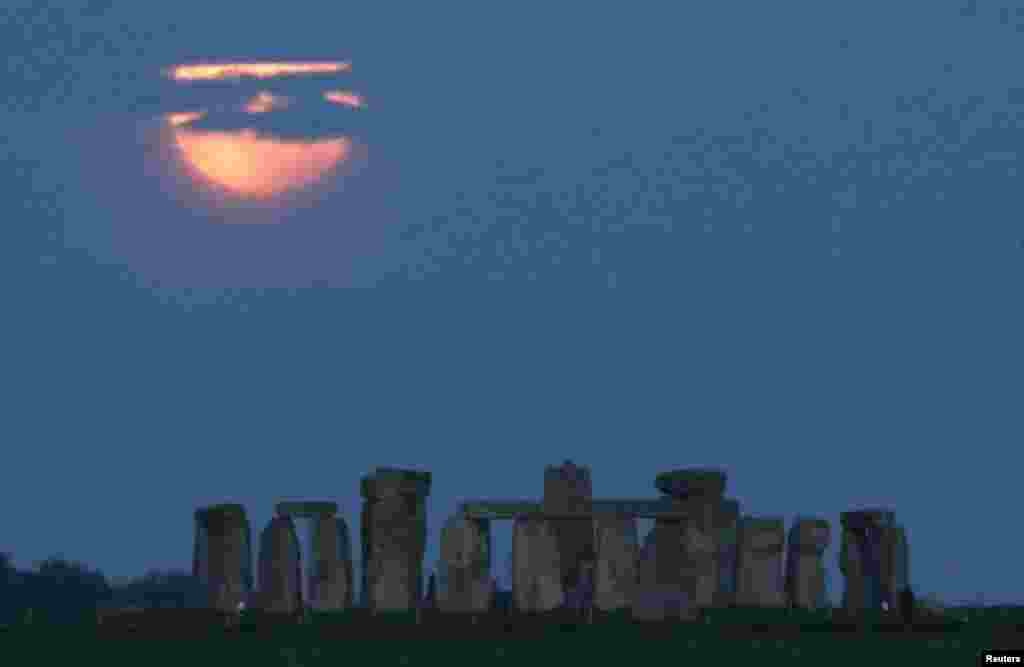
<point x="859" y="520"/>
<point x="687" y="557"/>
<point x="866" y="543"/>
<point x="536" y="566"/>
<point x="466" y="565"/>
<point x="384" y="482"/>
<point x="394" y="531"/>
<point x="306" y="508"/>
<point x="687" y="553"/>
<point x="568" y="488"/>
<point x="901" y="568"/>
<point x="894" y="566"/>
<point x="513" y="508"/>
<point x="280" y="568"/>
<point x="809" y="538"/>
<point x="759" y="580"/>
<point x="330" y="585"/>
<point x="222" y="558"/>
<point x="654" y="600"/>
<point x="729" y="516"/>
<point x="690" y="482"/>
<point x="617" y="567"/>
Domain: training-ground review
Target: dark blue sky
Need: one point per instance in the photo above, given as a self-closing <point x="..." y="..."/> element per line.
<point x="783" y="238"/>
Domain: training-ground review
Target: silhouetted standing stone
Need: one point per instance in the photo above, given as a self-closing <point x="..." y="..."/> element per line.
<point x="687" y="552"/>
<point x="727" y="552"/>
<point x="655" y="600"/>
<point x="568" y="488"/>
<point x="329" y="585"/>
<point x="759" y="579"/>
<point x="805" y="566"/>
<point x="907" y="605"/>
<point x="536" y="566"/>
<point x="280" y="568"/>
<point x="580" y="597"/>
<point x="894" y="566"/>
<point x="866" y="558"/>
<point x="394" y="530"/>
<point x="617" y="567"/>
<point x="466" y="559"/>
<point x="222" y="558"/>
<point x="331" y="580"/>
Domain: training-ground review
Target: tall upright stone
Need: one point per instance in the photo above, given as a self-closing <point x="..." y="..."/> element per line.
<point x="394" y="531"/>
<point x="898" y="575"/>
<point x="872" y="559"/>
<point x="759" y="579"/>
<point x="331" y="584"/>
<point x="866" y="558"/>
<point x="654" y="600"/>
<point x="280" y="567"/>
<point x="617" y="567"/>
<point x="568" y="488"/>
<point x="687" y="549"/>
<point x="466" y="564"/>
<point x="329" y="576"/>
<point x="809" y="538"/>
<point x="536" y="566"/>
<point x="222" y="557"/>
<point x="727" y="552"/>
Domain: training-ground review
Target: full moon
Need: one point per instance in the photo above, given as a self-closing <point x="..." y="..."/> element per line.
<point x="248" y="164"/>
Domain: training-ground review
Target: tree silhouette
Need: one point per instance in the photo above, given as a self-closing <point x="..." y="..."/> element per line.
<point x="156" y="589"/>
<point x="58" y="591"/>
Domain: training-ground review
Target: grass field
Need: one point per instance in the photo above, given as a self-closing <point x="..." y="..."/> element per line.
<point x="724" y="637"/>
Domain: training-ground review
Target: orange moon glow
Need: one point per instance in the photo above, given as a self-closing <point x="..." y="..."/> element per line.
<point x="249" y="165"/>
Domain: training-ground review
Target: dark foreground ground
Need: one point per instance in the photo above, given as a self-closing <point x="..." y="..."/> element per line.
<point x="724" y="637"/>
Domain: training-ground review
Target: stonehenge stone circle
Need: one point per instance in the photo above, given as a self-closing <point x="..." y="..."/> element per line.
<point x="805" y="564"/>
<point x="394" y="535"/>
<point x="222" y="556"/>
<point x="536" y="566"/>
<point x="759" y="578"/>
<point x="466" y="565"/>
<point x="569" y="550"/>
<point x="280" y="567"/>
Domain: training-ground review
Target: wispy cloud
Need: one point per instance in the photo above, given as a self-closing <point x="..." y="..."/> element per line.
<point x="265" y="102"/>
<point x="345" y="98"/>
<point x="256" y="70"/>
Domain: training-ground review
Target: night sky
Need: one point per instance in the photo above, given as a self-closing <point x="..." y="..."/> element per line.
<point x="782" y="238"/>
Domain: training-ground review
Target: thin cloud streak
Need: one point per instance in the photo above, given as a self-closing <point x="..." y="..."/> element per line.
<point x="256" y="70"/>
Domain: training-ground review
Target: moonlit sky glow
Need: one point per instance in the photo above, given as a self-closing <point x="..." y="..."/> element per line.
<point x="248" y="164"/>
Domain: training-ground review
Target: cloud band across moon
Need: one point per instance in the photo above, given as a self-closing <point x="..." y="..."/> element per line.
<point x="246" y="163"/>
